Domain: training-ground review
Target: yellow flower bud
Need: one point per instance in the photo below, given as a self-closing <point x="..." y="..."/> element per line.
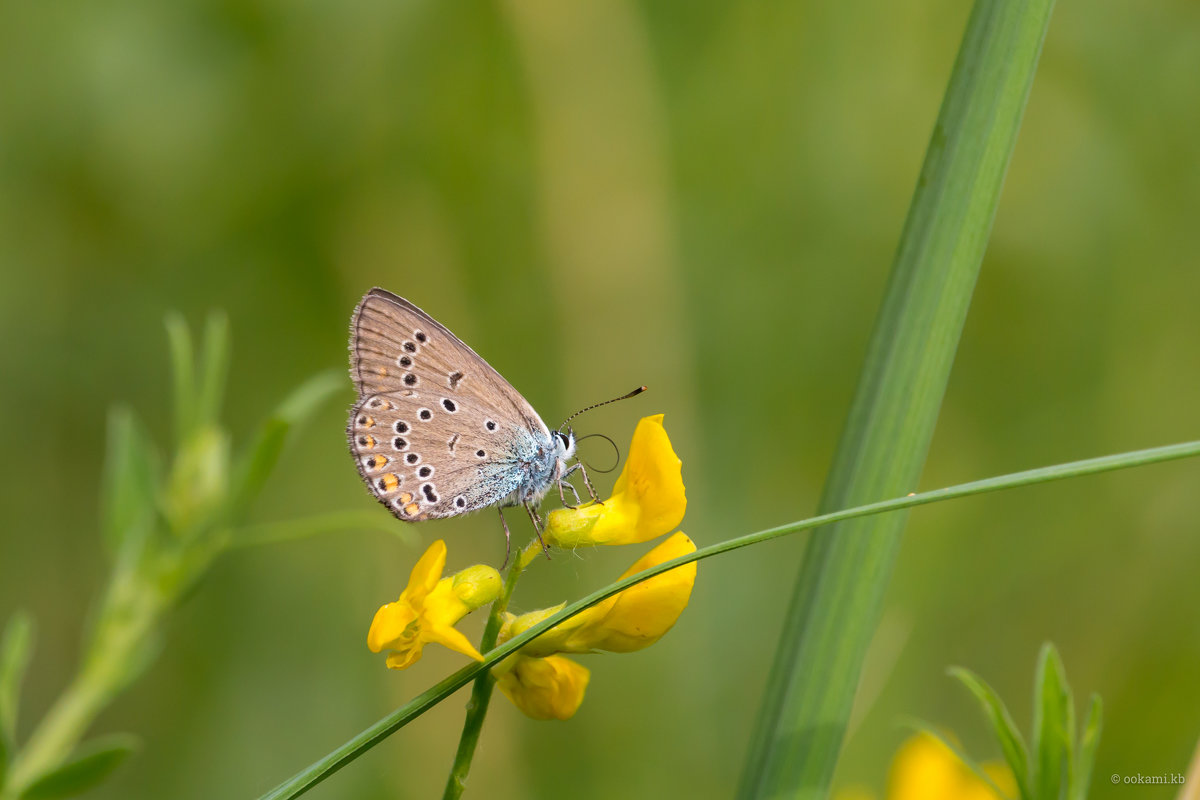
<point x="478" y="585"/>
<point x="647" y="500"/>
<point x="514" y="625"/>
<point x="545" y="688"/>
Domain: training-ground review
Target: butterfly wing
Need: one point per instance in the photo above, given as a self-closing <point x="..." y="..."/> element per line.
<point x="436" y="432"/>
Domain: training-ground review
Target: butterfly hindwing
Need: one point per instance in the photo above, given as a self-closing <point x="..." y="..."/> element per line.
<point x="436" y="432"/>
<point x="429" y="468"/>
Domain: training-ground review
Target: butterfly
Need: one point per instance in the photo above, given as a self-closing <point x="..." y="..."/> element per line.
<point x="436" y="431"/>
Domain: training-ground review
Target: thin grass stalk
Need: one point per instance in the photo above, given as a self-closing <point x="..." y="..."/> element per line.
<point x="839" y="592"/>
<point x="344" y="754"/>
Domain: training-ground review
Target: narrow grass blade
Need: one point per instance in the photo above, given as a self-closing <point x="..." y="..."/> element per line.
<point x="323" y="767"/>
<point x="1085" y="758"/>
<point x="1053" y="728"/>
<point x="1012" y="744"/>
<point x="87" y="767"/>
<point x="839" y="591"/>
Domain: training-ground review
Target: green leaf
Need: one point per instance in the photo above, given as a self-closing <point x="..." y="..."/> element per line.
<point x="1012" y="744"/>
<point x="970" y="763"/>
<point x="1053" y="728"/>
<point x="183" y="374"/>
<point x="130" y="483"/>
<point x="1086" y="755"/>
<point x="256" y="463"/>
<point x="15" y="651"/>
<point x="839" y="592"/>
<point x="214" y="369"/>
<point x="87" y="767"/>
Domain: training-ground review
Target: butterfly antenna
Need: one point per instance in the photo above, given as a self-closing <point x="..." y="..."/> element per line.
<point x="634" y="393"/>
<point x="616" y="449"/>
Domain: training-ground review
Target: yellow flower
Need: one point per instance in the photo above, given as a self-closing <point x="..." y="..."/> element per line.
<point x="647" y="499"/>
<point x="544" y="688"/>
<point x="429" y="608"/>
<point x="925" y="769"/>
<point x="545" y="685"/>
<point x="627" y="621"/>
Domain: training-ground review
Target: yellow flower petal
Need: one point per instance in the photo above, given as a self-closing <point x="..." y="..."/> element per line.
<point x="648" y="498"/>
<point x="643" y="613"/>
<point x="427" y="571"/>
<point x="452" y="638"/>
<point x="630" y="620"/>
<point x="428" y="609"/>
<point x="389" y="625"/>
<point x="545" y="688"/>
<point x="925" y="769"/>
<point x="400" y="659"/>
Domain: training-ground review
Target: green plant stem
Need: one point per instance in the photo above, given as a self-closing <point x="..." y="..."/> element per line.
<point x="315" y="525"/>
<point x="481" y="692"/>
<point x="114" y="656"/>
<point x="321" y="769"/>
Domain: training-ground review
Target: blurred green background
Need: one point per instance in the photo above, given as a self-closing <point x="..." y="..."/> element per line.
<point x="703" y="197"/>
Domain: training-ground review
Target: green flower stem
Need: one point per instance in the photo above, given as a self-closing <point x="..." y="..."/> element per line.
<point x="481" y="692"/>
<point x="321" y="769"/>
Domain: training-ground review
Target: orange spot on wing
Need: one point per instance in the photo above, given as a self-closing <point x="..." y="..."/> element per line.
<point x="411" y="509"/>
<point x="390" y="482"/>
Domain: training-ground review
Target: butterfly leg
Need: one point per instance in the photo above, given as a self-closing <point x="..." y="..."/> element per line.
<point x="537" y="526"/>
<point x="507" y="538"/>
<point x="563" y="482"/>
<point x="578" y="466"/>
<point x="588" y="484"/>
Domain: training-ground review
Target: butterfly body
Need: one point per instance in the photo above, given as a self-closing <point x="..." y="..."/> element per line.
<point x="436" y="431"/>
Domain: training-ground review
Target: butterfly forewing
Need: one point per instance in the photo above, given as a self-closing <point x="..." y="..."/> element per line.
<point x="436" y="432"/>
